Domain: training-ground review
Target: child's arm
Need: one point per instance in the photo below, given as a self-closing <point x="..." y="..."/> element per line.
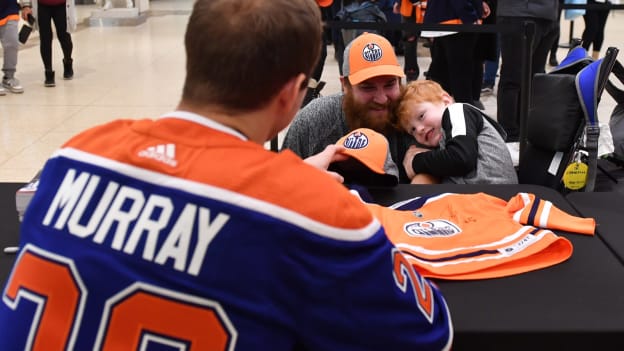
<point x="417" y="178"/>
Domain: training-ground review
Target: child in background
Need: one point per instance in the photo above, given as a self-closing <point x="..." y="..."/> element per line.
<point x="465" y="145"/>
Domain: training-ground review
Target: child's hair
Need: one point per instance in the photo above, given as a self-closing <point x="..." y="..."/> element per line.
<point x="416" y="91"/>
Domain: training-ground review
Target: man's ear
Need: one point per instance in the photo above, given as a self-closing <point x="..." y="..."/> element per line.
<point x="344" y="83"/>
<point x="291" y="95"/>
<point x="289" y="99"/>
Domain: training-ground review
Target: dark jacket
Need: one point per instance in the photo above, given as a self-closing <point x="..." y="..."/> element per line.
<point x="8" y="8"/>
<point x="366" y="11"/>
<point x="547" y="9"/>
<point x="468" y="11"/>
<point x="488" y="42"/>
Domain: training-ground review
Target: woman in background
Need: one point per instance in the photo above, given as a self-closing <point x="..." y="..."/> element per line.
<point x="595" y="21"/>
<point x="63" y="13"/>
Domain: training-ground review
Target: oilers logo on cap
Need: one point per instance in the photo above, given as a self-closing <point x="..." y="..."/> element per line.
<point x="356" y="140"/>
<point x="371" y="52"/>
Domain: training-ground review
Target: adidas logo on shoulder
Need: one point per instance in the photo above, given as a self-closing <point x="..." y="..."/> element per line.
<point x="164" y="153"/>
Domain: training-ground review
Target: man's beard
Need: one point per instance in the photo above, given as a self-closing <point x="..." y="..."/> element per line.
<point x="358" y="115"/>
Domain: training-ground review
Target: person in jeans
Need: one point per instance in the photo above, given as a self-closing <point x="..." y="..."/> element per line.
<point x="63" y="14"/>
<point x="9" y="20"/>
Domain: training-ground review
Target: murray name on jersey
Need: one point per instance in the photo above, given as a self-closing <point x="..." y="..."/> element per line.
<point x="123" y="217"/>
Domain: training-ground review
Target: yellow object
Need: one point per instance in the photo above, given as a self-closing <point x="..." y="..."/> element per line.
<point x="575" y="176"/>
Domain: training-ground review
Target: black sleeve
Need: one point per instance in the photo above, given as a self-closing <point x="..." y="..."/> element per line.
<point x="459" y="155"/>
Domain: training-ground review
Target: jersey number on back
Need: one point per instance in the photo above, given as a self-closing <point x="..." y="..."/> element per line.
<point x="404" y="272"/>
<point x="132" y="318"/>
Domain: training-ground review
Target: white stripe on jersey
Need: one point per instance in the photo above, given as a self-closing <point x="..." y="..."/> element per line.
<point x="223" y="195"/>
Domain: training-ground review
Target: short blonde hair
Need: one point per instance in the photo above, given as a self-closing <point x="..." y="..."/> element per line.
<point x="417" y="91"/>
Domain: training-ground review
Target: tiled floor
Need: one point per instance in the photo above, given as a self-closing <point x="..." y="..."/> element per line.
<point x="132" y="71"/>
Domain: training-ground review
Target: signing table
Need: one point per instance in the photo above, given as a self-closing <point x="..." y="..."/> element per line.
<point x="575" y="305"/>
<point x="608" y="210"/>
<point x="9" y="226"/>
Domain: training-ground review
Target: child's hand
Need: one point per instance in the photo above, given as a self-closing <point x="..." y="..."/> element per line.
<point x="409" y="157"/>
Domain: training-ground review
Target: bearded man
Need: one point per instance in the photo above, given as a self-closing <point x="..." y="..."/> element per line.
<point x="371" y="85"/>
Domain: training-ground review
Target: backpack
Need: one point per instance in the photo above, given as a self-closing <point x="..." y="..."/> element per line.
<point x="365" y="11"/>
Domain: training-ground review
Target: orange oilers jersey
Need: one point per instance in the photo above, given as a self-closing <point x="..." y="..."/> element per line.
<point x="478" y="236"/>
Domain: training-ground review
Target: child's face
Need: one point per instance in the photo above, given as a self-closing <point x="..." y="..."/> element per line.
<point x="424" y="122"/>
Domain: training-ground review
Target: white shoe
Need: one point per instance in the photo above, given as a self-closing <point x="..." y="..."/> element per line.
<point x="2" y="91"/>
<point x="107" y="5"/>
<point x="13" y="85"/>
<point x="514" y="151"/>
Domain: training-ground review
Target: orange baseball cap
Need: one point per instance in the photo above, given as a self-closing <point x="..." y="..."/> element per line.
<point x="324" y="3"/>
<point x="370" y="55"/>
<point x="369" y="162"/>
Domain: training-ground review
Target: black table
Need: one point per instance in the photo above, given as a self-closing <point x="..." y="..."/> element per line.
<point x="608" y="210"/>
<point x="9" y="226"/>
<point x="575" y="305"/>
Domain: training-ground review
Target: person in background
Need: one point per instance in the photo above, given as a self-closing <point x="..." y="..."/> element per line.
<point x="315" y="85"/>
<point x="371" y="85"/>
<point x="336" y="34"/>
<point x="552" y="57"/>
<point x="63" y="14"/>
<point x="455" y="61"/>
<point x="543" y="13"/>
<point x="486" y="53"/>
<point x="394" y="36"/>
<point x="465" y="146"/>
<point x="359" y="11"/>
<point x="595" y="22"/>
<point x="411" y="12"/>
<point x="9" y="21"/>
<point x="490" y="71"/>
<point x="220" y="243"/>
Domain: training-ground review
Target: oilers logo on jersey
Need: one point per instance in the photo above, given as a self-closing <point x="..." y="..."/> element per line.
<point x="436" y="227"/>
